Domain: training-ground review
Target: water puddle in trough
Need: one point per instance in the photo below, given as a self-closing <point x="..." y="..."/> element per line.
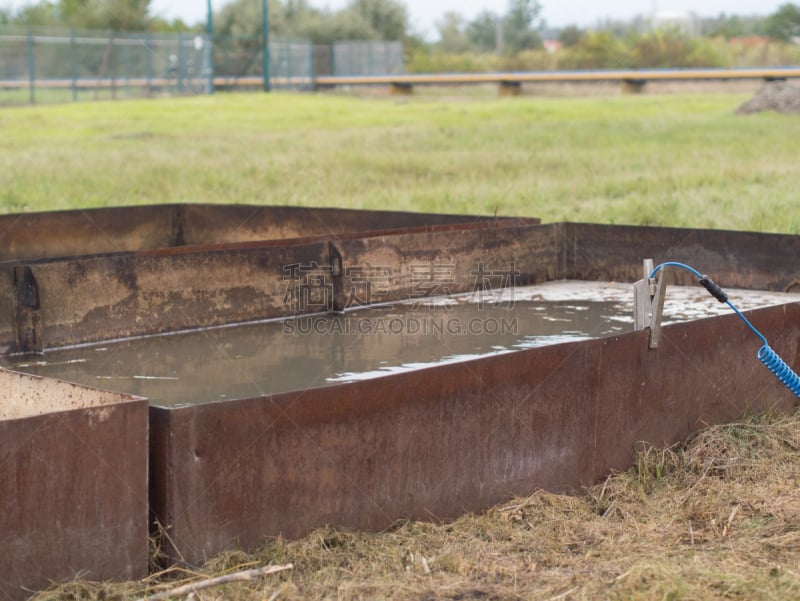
<point x="254" y="359"/>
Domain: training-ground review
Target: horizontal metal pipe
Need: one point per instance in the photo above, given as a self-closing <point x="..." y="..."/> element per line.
<point x="447" y="78"/>
<point x="564" y="76"/>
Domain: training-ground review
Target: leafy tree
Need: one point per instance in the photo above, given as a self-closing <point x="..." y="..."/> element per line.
<point x="598" y="50"/>
<point x="118" y="15"/>
<point x="242" y="18"/>
<point x="570" y="36"/>
<point x="784" y="24"/>
<point x="37" y="15"/>
<point x="452" y="37"/>
<point x="727" y="27"/>
<point x="326" y="27"/>
<point x="299" y="16"/>
<point x="161" y="25"/>
<point x="387" y="18"/>
<point x="86" y="14"/>
<point x="521" y="24"/>
<point x="519" y="28"/>
<point x="732" y="26"/>
<point x="482" y="31"/>
<point x="361" y="20"/>
<point x="664" y="48"/>
<point x="623" y="28"/>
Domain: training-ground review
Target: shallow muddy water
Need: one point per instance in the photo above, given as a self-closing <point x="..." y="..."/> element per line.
<point x="255" y="359"/>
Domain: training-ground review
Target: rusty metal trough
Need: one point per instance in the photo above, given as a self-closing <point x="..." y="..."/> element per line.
<point x="73" y="476"/>
<point x="432" y="443"/>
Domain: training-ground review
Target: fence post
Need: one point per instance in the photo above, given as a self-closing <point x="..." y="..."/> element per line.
<point x="312" y="68"/>
<point x="180" y="63"/>
<point x="73" y="65"/>
<point x="126" y="65"/>
<point x="225" y="44"/>
<point x="210" y="42"/>
<point x="351" y="56"/>
<point x="31" y="68"/>
<point x="112" y="67"/>
<point x="290" y="52"/>
<point x="265" y="50"/>
<point x="149" y="62"/>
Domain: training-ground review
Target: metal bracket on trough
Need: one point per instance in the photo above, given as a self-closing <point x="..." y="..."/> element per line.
<point x="337" y="272"/>
<point x="648" y="303"/>
<point x="28" y="320"/>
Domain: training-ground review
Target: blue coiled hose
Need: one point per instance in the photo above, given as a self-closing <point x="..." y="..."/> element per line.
<point x="765" y="354"/>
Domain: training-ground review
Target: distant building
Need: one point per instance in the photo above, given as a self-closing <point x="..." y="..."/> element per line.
<point x="552" y="46"/>
<point x="684" y="21"/>
<point x="750" y="41"/>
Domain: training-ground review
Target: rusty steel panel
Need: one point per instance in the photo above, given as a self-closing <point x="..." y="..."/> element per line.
<point x="465" y="257"/>
<point x="705" y="372"/>
<point x="87" y="231"/>
<point x="211" y="224"/>
<point x="73" y="476"/>
<point x="136" y="228"/>
<point x="459" y="437"/>
<point x="116" y="296"/>
<point x="733" y="259"/>
<point x="86" y="299"/>
<point x="8" y="309"/>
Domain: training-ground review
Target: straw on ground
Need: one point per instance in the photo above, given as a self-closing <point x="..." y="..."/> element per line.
<point x="716" y="517"/>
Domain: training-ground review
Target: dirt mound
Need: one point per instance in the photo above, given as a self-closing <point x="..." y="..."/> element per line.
<point x="779" y="96"/>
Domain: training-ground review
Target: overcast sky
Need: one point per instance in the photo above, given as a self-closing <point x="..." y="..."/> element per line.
<point x="424" y="13"/>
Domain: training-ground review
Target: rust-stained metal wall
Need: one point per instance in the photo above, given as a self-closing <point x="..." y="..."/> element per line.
<point x="459" y="437"/>
<point x="733" y="259"/>
<point x="60" y="301"/>
<point x="73" y="484"/>
<point x="63" y="301"/>
<point x="126" y="229"/>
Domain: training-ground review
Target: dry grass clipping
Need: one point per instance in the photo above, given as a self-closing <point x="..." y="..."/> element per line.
<point x="716" y="517"/>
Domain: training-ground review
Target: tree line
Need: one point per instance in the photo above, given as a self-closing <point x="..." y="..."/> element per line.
<point x="508" y="39"/>
<point x="357" y="20"/>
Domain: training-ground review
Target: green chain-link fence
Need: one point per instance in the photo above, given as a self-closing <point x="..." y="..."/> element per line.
<point x="50" y="65"/>
<point x="57" y="65"/>
<point x="238" y="63"/>
<point x="367" y="58"/>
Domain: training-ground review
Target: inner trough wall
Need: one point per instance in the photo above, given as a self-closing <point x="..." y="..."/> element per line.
<point x="129" y="229"/>
<point x="732" y="259"/>
<point x="63" y="301"/>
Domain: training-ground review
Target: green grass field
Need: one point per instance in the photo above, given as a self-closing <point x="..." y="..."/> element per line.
<point x="682" y="160"/>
